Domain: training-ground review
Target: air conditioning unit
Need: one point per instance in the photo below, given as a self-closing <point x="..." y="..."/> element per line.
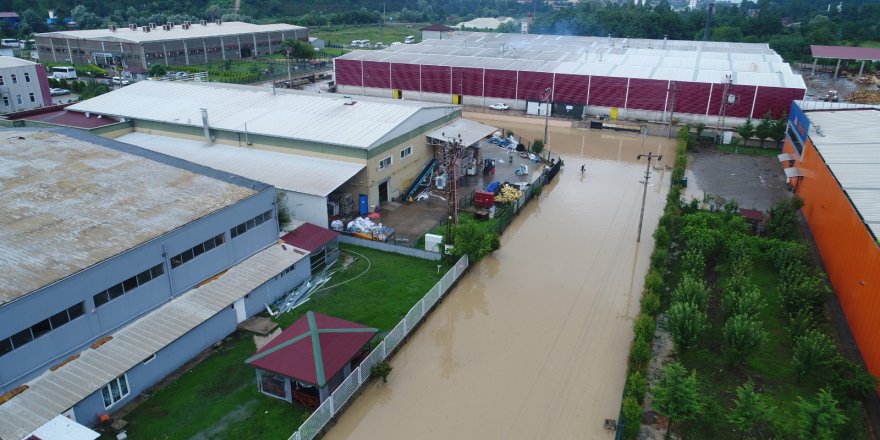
<point x="186" y="23"/>
<point x="204" y="22"/>
<point x="112" y="28"/>
<point x="170" y="25"/>
<point x="218" y="21"/>
<point x="166" y="27"/>
<point x="133" y="26"/>
<point x="152" y="25"/>
<point x="146" y="29"/>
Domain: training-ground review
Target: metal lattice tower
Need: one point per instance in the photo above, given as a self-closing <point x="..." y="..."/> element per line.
<point x="727" y="100"/>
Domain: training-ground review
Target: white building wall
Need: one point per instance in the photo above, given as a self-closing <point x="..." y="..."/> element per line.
<point x="22" y="88"/>
<point x="308" y="208"/>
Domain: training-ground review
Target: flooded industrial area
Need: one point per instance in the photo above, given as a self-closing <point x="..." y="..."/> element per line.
<point x="533" y="341"/>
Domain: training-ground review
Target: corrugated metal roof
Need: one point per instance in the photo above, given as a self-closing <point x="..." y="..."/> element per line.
<point x="848" y="143"/>
<point x="53" y="183"/>
<point x="290" y="114"/>
<point x="469" y="132"/>
<point x="52" y="393"/>
<point x="291" y="172"/>
<point x="846" y="53"/>
<point x="124" y="34"/>
<point x="616" y="56"/>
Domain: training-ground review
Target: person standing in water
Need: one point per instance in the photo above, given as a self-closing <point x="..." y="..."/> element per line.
<point x="583" y="168"/>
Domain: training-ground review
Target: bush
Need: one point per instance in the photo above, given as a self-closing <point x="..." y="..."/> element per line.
<point x="640" y="353"/>
<point x="686" y="321"/>
<point x="650" y="303"/>
<point x="644" y="327"/>
<point x="801" y="290"/>
<point x="661" y="237"/>
<point x="852" y="379"/>
<point x="654" y="281"/>
<point x="782" y="220"/>
<point x="819" y="420"/>
<point x="659" y="258"/>
<point x="632" y="416"/>
<point x="800" y="322"/>
<point x="741" y="297"/>
<point x="743" y="335"/>
<point x="813" y="352"/>
<point x="693" y="263"/>
<point x="691" y="290"/>
<point x="636" y="386"/>
<point x="381" y="370"/>
<point x="537" y="146"/>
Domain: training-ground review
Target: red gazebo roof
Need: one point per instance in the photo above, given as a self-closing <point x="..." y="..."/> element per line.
<point x="313" y="349"/>
<point x="309" y="237"/>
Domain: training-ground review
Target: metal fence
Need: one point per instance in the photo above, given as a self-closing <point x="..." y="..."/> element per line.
<point x="315" y="424"/>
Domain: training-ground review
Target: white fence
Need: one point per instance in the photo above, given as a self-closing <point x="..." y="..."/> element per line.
<point x="344" y="392"/>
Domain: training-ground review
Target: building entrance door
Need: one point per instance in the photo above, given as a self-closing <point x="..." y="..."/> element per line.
<point x="383" y="192"/>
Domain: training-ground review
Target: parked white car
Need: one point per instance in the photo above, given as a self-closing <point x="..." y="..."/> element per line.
<point x="118" y="80"/>
<point x="58" y="92"/>
<point x="499" y="106"/>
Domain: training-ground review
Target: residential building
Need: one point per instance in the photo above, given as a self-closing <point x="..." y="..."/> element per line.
<point x="23" y="85"/>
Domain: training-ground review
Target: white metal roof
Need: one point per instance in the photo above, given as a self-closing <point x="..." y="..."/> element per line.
<point x="52" y="393"/>
<point x="14" y="62"/>
<point x="321" y="118"/>
<point x="469" y="132"/>
<point x="650" y="58"/>
<point x="196" y="30"/>
<point x="291" y="172"/>
<point x="62" y="428"/>
<point x="69" y="203"/>
<point x="848" y="143"/>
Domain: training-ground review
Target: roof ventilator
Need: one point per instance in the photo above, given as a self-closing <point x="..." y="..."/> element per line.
<point x="349" y="101"/>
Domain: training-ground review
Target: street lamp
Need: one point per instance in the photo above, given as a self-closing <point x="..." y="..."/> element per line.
<point x="643" y="130"/>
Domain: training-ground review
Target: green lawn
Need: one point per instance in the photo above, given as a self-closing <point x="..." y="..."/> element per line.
<point x="345" y="34"/>
<point x="219" y="397"/>
<point x="871" y="44"/>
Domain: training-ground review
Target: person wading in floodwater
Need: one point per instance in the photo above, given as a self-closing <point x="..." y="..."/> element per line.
<point x="583" y="168"/>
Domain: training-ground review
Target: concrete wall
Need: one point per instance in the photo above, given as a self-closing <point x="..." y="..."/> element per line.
<point x="308" y="208"/>
<point x="385" y="247"/>
<point x="29" y="88"/>
<point x="48" y="349"/>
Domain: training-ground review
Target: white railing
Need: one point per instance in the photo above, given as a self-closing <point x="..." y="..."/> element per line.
<point x="344" y="392"/>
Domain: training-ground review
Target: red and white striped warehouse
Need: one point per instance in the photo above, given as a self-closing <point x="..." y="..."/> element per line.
<point x="650" y="80"/>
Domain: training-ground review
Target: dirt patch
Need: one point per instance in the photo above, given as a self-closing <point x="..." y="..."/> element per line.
<point x="663" y="348"/>
<point x="755" y="182"/>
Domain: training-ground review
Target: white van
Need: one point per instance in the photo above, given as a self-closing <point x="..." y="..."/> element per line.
<point x="409" y="40"/>
<point x="66" y="72"/>
<point x="365" y="43"/>
<point x="355" y="43"/>
<point x="10" y="42"/>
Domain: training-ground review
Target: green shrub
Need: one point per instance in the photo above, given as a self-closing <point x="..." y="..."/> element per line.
<point x="743" y="335"/>
<point x="659" y="259"/>
<point x="636" y="386"/>
<point x="644" y="327"/>
<point x="654" y="281"/>
<point x="661" y="237"/>
<point x="381" y="370"/>
<point x="650" y="303"/>
<point x="801" y="289"/>
<point x="852" y="379"/>
<point x="693" y="263"/>
<point x="640" y="353"/>
<point x="632" y="416"/>
<point x="813" y="353"/>
<point x="741" y="297"/>
<point x="800" y="322"/>
<point x="691" y="290"/>
<point x="782" y="219"/>
<point x="686" y="321"/>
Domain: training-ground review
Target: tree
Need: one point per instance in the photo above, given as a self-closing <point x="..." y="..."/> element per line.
<point x="469" y="238"/>
<point x="157" y="70"/>
<point x="819" y="420"/>
<point x="777" y="131"/>
<point x="677" y="395"/>
<point x="537" y="146"/>
<point x="765" y="128"/>
<point x="283" y="211"/>
<point x="741" y="297"/>
<point x="213" y="12"/>
<point x="632" y="416"/>
<point x="298" y="50"/>
<point x="749" y="410"/>
<point x="693" y="263"/>
<point x="640" y="353"/>
<point x="782" y="219"/>
<point x="743" y="335"/>
<point x="686" y="321"/>
<point x="747" y="130"/>
<point x="691" y="290"/>
<point x="812" y="351"/>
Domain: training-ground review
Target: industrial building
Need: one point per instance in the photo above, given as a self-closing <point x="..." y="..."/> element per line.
<point x="169" y="44"/>
<point x="23" y="85"/>
<point x="310" y="145"/>
<point x="121" y="264"/>
<point x="832" y="160"/>
<point x="651" y="80"/>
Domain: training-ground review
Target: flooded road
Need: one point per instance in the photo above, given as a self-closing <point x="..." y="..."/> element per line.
<point x="533" y="341"/>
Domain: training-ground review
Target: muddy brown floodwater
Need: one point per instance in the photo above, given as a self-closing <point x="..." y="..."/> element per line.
<point x="532" y="343"/>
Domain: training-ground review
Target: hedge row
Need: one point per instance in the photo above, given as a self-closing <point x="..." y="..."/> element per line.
<point x="645" y="325"/>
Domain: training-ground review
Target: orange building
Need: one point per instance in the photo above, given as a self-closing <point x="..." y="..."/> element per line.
<point x="832" y="160"/>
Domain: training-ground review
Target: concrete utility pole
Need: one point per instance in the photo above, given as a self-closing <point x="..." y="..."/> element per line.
<point x="547" y="95"/>
<point x="650" y="157"/>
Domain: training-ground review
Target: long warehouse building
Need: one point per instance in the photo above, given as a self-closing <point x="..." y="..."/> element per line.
<point x="652" y="80"/>
<point x="169" y="44"/>
<point x="832" y="158"/>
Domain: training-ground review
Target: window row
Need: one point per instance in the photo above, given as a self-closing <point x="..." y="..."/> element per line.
<point x="385" y="163"/>
<point x="115" y="391"/>
<point x="197" y="250"/>
<point x="14" y="78"/>
<point x="27" y="335"/>
<point x="128" y="285"/>
<point x="250" y="224"/>
<point x="406" y="152"/>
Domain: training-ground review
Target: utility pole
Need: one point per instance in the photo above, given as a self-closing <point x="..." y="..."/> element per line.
<point x="547" y="95"/>
<point x="673" y="94"/>
<point x="650" y="157"/>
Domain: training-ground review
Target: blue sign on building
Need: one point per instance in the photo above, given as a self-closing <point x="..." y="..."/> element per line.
<point x="798" y="127"/>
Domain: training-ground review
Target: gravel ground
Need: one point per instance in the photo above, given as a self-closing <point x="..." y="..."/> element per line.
<point x="755" y="182"/>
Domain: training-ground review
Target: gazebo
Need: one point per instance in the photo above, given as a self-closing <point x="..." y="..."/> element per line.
<point x="309" y="359"/>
